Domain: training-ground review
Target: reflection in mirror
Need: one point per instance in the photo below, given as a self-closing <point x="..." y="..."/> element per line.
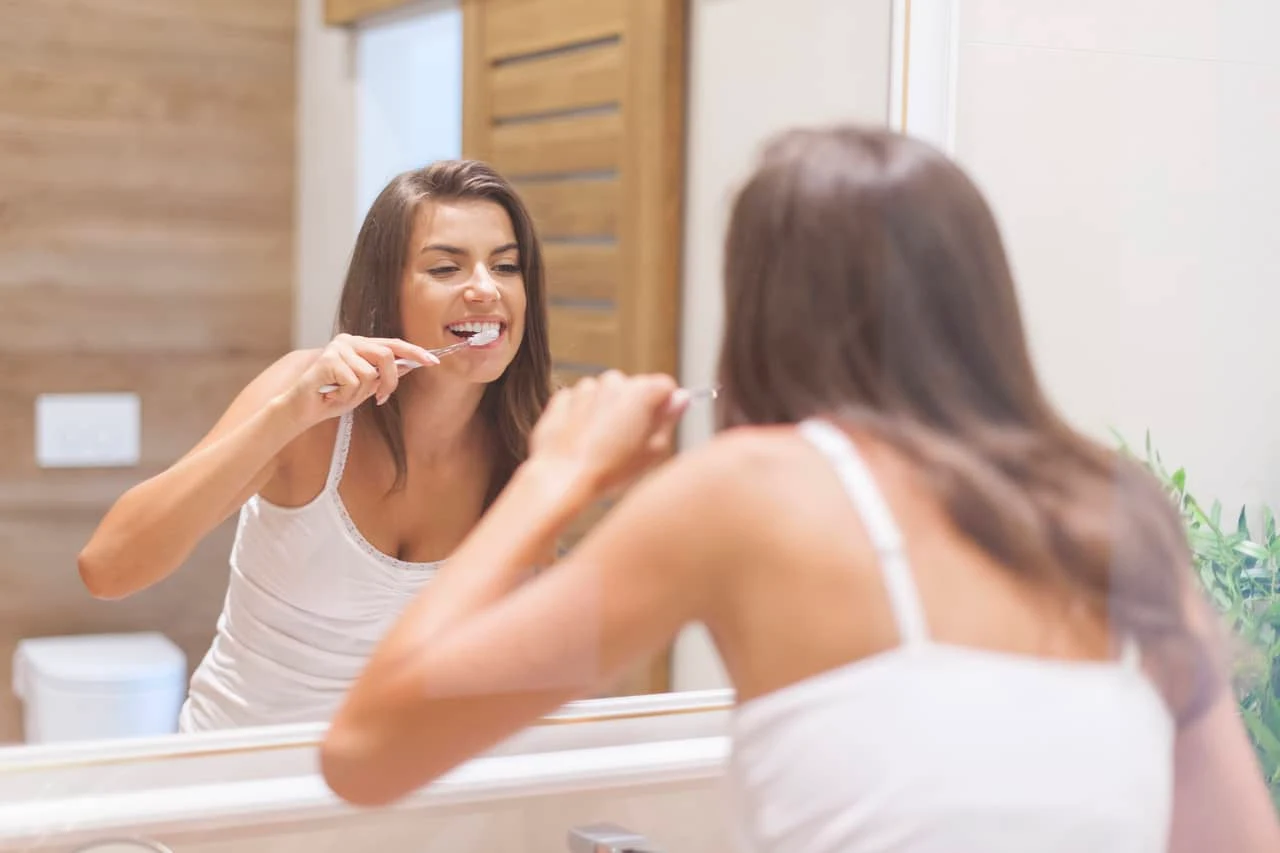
<point x="242" y="538"/>
<point x="332" y="486"/>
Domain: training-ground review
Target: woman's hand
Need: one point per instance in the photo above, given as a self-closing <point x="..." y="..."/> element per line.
<point x="360" y="367"/>
<point x="608" y="430"/>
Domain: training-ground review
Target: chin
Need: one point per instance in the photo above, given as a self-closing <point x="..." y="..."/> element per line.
<point x="483" y="371"/>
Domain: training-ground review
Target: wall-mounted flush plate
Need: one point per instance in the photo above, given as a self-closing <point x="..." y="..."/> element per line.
<point x="88" y="430"/>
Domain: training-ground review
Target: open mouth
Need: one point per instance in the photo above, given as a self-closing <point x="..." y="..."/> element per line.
<point x="471" y="328"/>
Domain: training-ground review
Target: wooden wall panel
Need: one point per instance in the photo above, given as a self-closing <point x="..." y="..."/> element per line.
<point x="583" y="272"/>
<point x="514" y="28"/>
<point x="584" y="336"/>
<point x="146" y="245"/>
<point x="343" y="12"/>
<point x="581" y="103"/>
<point x="573" y="207"/>
<point x="578" y="79"/>
<point x="589" y="143"/>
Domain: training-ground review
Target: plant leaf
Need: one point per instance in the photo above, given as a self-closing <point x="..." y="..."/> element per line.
<point x="1266" y="739"/>
<point x="1252" y="549"/>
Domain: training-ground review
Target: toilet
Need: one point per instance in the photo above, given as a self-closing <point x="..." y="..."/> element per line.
<point x="99" y="686"/>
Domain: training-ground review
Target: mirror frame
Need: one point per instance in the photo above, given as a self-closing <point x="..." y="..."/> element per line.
<point x="21" y="758"/>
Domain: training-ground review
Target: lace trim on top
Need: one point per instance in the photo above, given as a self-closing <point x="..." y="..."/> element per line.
<point x="336" y="467"/>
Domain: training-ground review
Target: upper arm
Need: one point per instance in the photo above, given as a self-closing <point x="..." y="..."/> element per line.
<point x="270" y="383"/>
<point x="1221" y="801"/>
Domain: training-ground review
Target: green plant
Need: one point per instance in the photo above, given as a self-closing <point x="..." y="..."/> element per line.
<point x="1241" y="575"/>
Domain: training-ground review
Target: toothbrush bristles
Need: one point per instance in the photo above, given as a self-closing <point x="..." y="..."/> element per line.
<point x="479" y="339"/>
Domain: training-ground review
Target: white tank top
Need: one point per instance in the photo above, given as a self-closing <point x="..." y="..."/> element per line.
<point x="936" y="748"/>
<point x="308" y="600"/>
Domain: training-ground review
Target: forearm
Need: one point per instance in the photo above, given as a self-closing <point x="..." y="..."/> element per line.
<point x="154" y="526"/>
<point x="371" y="752"/>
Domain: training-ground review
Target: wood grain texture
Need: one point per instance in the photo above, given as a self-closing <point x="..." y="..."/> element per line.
<point x="146" y="246"/>
<point x="590" y="77"/>
<point x="564" y="375"/>
<point x="582" y="272"/>
<point x="573" y="207"/>
<point x="653" y="185"/>
<point x="520" y="27"/>
<point x="345" y="12"/>
<point x="584" y="143"/>
<point x="476" y="91"/>
<point x="583" y="336"/>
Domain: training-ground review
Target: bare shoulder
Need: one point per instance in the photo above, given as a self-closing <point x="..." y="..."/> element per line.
<point x="755" y="463"/>
<point x="713" y="495"/>
<point x="274" y="380"/>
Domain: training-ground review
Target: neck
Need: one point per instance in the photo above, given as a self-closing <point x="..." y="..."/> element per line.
<point x="440" y="414"/>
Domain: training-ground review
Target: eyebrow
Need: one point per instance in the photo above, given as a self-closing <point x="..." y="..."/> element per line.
<point x="454" y="250"/>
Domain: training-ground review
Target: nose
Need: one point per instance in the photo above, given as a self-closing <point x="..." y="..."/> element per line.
<point x="482" y="287"/>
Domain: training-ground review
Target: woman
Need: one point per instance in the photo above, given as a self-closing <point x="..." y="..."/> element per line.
<point x="953" y="623"/>
<point x="352" y="498"/>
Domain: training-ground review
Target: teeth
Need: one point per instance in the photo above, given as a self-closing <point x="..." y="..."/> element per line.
<point x="479" y="328"/>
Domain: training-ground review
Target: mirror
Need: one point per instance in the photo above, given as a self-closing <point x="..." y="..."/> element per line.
<point x="225" y="212"/>
<point x="165" y="235"/>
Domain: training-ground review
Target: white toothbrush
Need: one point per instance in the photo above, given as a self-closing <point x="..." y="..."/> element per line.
<point x="479" y="339"/>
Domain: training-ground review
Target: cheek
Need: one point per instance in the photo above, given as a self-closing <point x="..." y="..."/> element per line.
<point x="518" y="301"/>
<point x="419" y="311"/>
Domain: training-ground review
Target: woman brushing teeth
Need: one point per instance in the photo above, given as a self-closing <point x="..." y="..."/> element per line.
<point x="350" y="498"/>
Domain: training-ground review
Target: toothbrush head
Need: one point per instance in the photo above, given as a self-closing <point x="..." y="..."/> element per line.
<point x="480" y="339"/>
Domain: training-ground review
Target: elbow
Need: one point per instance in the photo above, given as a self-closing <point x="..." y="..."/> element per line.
<point x="100" y="575"/>
<point x="351" y="772"/>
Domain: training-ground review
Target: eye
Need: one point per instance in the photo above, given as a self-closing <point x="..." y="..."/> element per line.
<point x="508" y="269"/>
<point x="443" y="271"/>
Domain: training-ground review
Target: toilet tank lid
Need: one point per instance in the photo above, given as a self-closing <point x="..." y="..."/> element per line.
<point x="99" y="659"/>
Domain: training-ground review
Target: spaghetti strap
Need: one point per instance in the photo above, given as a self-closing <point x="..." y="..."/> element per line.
<point x="1131" y="653"/>
<point x="341" y="446"/>
<point x="904" y="598"/>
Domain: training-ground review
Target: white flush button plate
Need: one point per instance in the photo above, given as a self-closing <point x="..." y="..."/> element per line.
<point x="88" y="430"/>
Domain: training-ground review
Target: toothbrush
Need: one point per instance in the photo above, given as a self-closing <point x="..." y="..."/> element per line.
<point x="479" y="339"/>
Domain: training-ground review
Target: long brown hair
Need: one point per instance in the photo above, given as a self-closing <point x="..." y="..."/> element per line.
<point x="370" y="304"/>
<point x="866" y="280"/>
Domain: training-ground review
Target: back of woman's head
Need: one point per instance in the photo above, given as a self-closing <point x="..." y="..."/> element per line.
<point x="866" y="280"/>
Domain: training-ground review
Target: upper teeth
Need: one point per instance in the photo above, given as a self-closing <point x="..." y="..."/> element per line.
<point x="478" y="328"/>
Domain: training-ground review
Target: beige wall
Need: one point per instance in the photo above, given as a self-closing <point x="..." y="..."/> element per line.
<point x="756" y="68"/>
<point x="1129" y="148"/>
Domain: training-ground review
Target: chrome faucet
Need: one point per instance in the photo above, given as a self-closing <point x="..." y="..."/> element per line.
<point x="608" y="838"/>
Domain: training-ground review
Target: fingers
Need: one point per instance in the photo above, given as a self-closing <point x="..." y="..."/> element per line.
<point x="404" y="349"/>
<point x="367" y="366"/>
<point x="366" y="374"/>
<point x="384" y="363"/>
<point x="340" y="374"/>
